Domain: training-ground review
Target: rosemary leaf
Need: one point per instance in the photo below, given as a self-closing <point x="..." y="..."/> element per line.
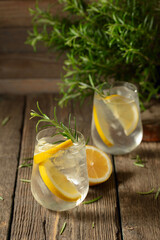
<point x="87" y="140"/>
<point x="63" y="228"/>
<point x="92" y="201"/>
<point x="26" y="162"/>
<point x="138" y="164"/>
<point x="157" y="193"/>
<point x="92" y="224"/>
<point x="25" y="180"/>
<point x="138" y="161"/>
<point x="1" y="198"/>
<point x="25" y="165"/>
<point x="5" y="121"/>
<point x="146" y="193"/>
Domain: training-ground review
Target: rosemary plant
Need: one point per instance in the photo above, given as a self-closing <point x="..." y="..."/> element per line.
<point x="105" y="40"/>
<point x="61" y="129"/>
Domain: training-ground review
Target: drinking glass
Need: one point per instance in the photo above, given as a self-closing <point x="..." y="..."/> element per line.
<point x="116" y="122"/>
<point x="59" y="179"/>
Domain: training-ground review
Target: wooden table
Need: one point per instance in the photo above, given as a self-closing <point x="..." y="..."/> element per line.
<point x="122" y="213"/>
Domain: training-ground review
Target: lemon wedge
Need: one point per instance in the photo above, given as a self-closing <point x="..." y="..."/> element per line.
<point x="125" y="110"/>
<point x="98" y="164"/>
<point x="58" y="183"/>
<point x="43" y="156"/>
<point x="102" y="126"/>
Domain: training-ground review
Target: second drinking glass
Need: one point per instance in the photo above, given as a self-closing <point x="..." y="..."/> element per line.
<point x="116" y="122"/>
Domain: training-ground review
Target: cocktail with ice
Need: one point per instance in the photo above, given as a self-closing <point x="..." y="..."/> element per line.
<point x="59" y="178"/>
<point x="116" y="122"/>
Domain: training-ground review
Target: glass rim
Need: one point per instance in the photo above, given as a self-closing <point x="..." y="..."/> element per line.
<point x="130" y="85"/>
<point x="81" y="139"/>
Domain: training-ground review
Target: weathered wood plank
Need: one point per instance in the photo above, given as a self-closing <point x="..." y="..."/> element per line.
<point x="140" y="214"/>
<point x="151" y="122"/>
<point x="18" y="13"/>
<point x="12" y="40"/>
<point x="30" y="65"/>
<point x="29" y="86"/>
<point x="10" y="133"/>
<point x="31" y="221"/>
<point x="28" y="220"/>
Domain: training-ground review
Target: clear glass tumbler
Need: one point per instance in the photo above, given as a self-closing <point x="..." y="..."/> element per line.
<point x="59" y="177"/>
<point x="116" y="121"/>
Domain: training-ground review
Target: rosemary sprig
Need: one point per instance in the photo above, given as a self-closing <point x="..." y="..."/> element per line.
<point x="151" y="191"/>
<point x="61" y="129"/>
<point x="25" y="180"/>
<point x="1" y="198"/>
<point x="146" y="193"/>
<point x="87" y="141"/>
<point x="91" y="86"/>
<point x="26" y="163"/>
<point x="5" y="121"/>
<point x="63" y="228"/>
<point x="92" y="201"/>
<point x="157" y="193"/>
<point x="139" y="162"/>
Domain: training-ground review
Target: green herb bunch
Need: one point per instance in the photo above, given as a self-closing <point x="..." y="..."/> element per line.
<point x="103" y="40"/>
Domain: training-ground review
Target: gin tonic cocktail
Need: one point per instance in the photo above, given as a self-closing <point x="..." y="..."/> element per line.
<point x="59" y="177"/>
<point x="116" y="122"/>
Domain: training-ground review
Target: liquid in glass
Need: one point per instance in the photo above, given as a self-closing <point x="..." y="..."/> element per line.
<point x="116" y="123"/>
<point x="60" y="182"/>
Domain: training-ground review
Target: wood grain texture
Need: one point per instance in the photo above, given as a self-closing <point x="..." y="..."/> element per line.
<point x="29" y="86"/>
<point x="31" y="221"/>
<point x="25" y="219"/>
<point x="28" y="221"/>
<point x="9" y="154"/>
<point x="18" y="14"/>
<point x="140" y="214"/>
<point x="151" y="122"/>
<point x="12" y="40"/>
<point x="30" y="65"/>
<point x="18" y="60"/>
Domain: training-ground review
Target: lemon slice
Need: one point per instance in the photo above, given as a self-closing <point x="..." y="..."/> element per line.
<point x="58" y="183"/>
<point x="125" y="110"/>
<point x="43" y="156"/>
<point x="98" y="164"/>
<point x="102" y="126"/>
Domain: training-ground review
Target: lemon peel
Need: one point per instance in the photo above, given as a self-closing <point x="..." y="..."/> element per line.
<point x="43" y="156"/>
<point x="58" y="183"/>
